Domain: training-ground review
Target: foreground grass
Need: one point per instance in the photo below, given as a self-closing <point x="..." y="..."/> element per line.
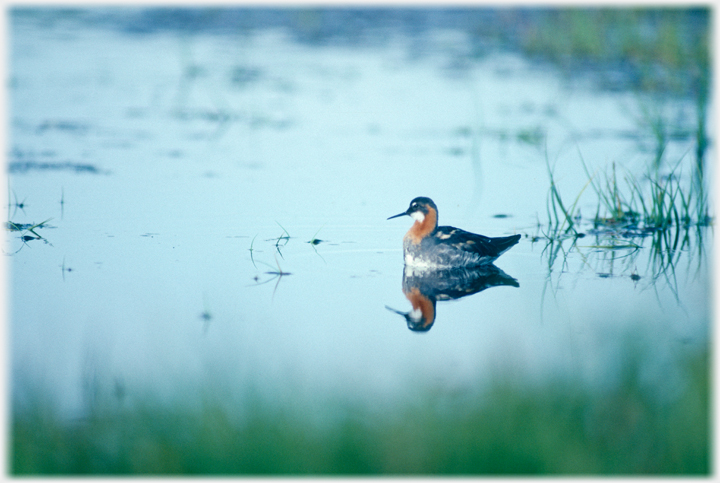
<point x="556" y="428"/>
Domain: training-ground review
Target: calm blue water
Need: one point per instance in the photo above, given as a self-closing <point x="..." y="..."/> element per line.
<point x="161" y="159"/>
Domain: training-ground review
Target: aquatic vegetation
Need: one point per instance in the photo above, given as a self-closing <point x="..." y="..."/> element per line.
<point x="65" y="269"/>
<point x="655" y="202"/>
<point x="283" y="237"/>
<point x="561" y="220"/>
<point x="280" y="242"/>
<point x="314" y="240"/>
<point x="62" y="202"/>
<point x="30" y="227"/>
<point x="17" y="205"/>
<point x="664" y="206"/>
<point x="662" y="51"/>
<point x="28" y="232"/>
<point x="251" y="249"/>
<point x="664" y="203"/>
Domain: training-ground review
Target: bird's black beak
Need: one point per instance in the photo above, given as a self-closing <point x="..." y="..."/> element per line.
<point x="399" y="214"/>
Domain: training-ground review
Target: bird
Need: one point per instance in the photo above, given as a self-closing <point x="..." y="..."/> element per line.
<point x="429" y="246"/>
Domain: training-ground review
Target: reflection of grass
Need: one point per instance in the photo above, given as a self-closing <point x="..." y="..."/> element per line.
<point x="279" y="274"/>
<point x="617" y="252"/>
<point x="556" y="428"/>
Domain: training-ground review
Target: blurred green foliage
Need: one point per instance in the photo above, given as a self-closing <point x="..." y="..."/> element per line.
<point x="663" y="49"/>
<point x="629" y="426"/>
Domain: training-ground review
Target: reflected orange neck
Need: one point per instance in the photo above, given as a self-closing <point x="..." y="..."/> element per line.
<point x="422" y="303"/>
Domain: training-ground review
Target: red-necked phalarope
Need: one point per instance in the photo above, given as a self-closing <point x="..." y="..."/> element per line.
<point x="427" y="245"/>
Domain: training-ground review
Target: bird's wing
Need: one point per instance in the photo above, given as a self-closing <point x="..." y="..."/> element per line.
<point x="464" y="240"/>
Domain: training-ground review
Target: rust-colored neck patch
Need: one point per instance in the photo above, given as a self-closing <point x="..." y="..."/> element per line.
<point x="421" y="229"/>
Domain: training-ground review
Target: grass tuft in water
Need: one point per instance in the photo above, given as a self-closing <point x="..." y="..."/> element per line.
<point x="26" y="229"/>
<point x="283" y="237"/>
<point x="562" y="221"/>
<point x="663" y="206"/>
<point x="315" y="241"/>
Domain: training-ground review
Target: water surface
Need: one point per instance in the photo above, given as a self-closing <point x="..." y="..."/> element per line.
<point x="183" y="175"/>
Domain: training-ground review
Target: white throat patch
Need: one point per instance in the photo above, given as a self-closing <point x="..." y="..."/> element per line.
<point x="418" y="216"/>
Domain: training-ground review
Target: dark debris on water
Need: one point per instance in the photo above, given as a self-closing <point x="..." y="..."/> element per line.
<point x="62" y="125"/>
<point x="25" y="166"/>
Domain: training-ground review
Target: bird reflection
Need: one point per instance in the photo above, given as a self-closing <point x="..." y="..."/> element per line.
<point x="424" y="288"/>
